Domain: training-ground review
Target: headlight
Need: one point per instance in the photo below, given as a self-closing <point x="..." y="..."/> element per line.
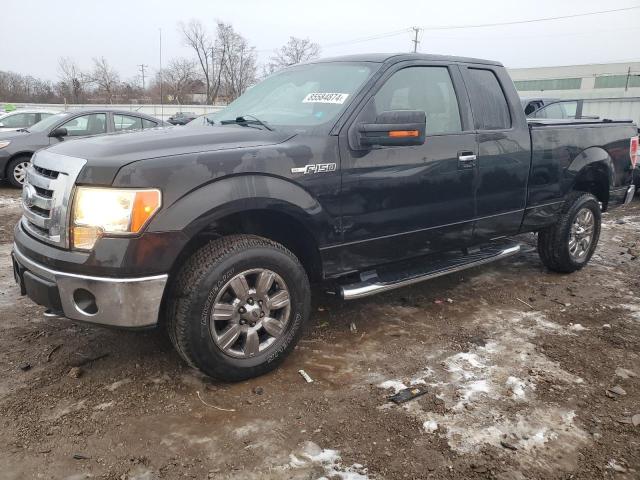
<point x="99" y="211"/>
<point x="4" y="143"/>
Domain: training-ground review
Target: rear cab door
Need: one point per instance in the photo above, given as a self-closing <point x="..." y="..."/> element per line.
<point x="504" y="151"/>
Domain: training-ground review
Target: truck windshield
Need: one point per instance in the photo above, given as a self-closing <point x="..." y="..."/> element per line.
<point x="300" y="96"/>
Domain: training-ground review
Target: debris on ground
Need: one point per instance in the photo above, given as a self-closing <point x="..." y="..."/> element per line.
<point x="353" y="327"/>
<point x="306" y="376"/>
<point x="75" y="372"/>
<point x="616" y="391"/>
<point x="88" y="359"/>
<point x="408" y="394"/>
<point x="25" y="366"/>
<point x="635" y="420"/>
<point x="52" y="351"/>
<point x="508" y="445"/>
<point x="80" y="456"/>
<point x="258" y="390"/>
<point x="213" y="406"/>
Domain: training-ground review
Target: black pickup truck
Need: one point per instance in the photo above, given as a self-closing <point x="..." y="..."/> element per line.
<point x="362" y="173"/>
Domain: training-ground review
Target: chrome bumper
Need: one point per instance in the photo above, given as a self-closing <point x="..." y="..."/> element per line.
<point x="118" y="302"/>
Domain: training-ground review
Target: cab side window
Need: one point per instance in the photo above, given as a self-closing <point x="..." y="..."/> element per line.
<point x="428" y="89"/>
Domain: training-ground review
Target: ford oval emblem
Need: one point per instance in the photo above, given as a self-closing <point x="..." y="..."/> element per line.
<point x="28" y="195"/>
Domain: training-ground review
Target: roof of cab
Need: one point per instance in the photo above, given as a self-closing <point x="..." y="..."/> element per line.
<point x="399" y="57"/>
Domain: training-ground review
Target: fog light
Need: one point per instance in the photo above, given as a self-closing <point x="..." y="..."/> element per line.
<point x="85" y="301"/>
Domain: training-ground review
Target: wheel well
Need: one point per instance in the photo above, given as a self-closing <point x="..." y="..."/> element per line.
<point x="270" y="224"/>
<point x="594" y="179"/>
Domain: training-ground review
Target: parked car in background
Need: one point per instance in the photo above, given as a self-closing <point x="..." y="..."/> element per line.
<point x="17" y="147"/>
<point x="363" y="173"/>
<point x="205" y="120"/>
<point x="181" y="118"/>
<point x="530" y="105"/>
<point x="24" y="118"/>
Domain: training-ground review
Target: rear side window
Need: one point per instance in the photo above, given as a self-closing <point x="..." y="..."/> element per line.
<point x="490" y="108"/>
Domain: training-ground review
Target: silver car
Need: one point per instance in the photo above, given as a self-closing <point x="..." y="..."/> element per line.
<point x="23" y="118"/>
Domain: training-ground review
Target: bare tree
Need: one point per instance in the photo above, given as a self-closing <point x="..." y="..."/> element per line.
<point x="240" y="67"/>
<point x="196" y="37"/>
<point x="71" y="79"/>
<point x="296" y="50"/>
<point x="105" y="78"/>
<point x="179" y="77"/>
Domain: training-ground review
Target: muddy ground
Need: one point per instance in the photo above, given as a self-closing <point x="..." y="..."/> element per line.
<point x="517" y="362"/>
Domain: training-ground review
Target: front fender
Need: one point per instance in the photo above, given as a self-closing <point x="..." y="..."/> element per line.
<point x="226" y="196"/>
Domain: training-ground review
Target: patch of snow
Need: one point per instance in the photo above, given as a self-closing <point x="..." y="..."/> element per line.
<point x="115" y="385"/>
<point x="311" y="454"/>
<point x="576" y="327"/>
<point x="103" y="406"/>
<point x="516" y="386"/>
<point x="395" y="384"/>
<point x="430" y="426"/>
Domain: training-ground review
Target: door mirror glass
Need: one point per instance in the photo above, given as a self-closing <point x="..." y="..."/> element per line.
<point x="59" y="132"/>
<point x="394" y="128"/>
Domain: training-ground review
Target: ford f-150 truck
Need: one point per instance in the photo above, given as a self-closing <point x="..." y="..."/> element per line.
<point x="362" y="174"/>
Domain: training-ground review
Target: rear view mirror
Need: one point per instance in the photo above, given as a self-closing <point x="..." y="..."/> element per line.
<point x="394" y="128"/>
<point x="59" y="132"/>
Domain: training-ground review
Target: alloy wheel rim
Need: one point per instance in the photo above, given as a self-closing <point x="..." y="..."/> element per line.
<point x="250" y="313"/>
<point x="582" y="231"/>
<point x="20" y="172"/>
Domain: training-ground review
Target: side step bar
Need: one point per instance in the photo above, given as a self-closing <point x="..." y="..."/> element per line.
<point x="386" y="279"/>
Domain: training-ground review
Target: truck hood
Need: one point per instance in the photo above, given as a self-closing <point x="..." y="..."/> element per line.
<point x="116" y="150"/>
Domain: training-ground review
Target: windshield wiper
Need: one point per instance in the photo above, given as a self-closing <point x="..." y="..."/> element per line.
<point x="23" y="130"/>
<point x="247" y="120"/>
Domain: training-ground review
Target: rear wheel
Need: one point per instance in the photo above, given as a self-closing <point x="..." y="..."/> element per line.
<point x="568" y="245"/>
<point x="17" y="170"/>
<point x="238" y="307"/>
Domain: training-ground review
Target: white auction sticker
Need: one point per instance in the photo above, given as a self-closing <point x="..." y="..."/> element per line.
<point x="338" y="98"/>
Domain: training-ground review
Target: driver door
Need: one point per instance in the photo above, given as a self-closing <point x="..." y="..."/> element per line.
<point x="403" y="201"/>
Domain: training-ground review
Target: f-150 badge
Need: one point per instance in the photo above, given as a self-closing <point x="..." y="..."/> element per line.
<point x="315" y="168"/>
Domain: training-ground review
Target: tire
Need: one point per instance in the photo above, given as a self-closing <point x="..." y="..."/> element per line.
<point x="555" y="246"/>
<point x="16" y="170"/>
<point x="202" y="331"/>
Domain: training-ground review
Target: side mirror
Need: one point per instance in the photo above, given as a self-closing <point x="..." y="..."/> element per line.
<point x="394" y="128"/>
<point x="59" y="132"/>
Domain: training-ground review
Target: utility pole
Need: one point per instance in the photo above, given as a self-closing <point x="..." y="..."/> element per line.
<point x="161" y="99"/>
<point x="415" y="41"/>
<point x="142" y="67"/>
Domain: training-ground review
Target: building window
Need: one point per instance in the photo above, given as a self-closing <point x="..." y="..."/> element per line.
<point x="550" y="84"/>
<point x="617" y="81"/>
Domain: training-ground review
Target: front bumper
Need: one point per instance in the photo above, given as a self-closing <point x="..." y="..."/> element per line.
<point x="117" y="302"/>
<point x="629" y="195"/>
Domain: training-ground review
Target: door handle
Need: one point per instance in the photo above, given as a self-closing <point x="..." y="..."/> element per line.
<point x="466" y="159"/>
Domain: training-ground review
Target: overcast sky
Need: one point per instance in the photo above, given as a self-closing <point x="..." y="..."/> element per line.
<point x="36" y="32"/>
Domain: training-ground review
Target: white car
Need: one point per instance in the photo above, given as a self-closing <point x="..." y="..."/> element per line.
<point x="23" y="118"/>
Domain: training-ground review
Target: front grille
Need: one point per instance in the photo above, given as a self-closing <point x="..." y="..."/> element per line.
<point x="46" y="196"/>
<point x="46" y="173"/>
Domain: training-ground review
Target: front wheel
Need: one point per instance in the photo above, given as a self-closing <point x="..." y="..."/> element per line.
<point x="568" y="245"/>
<point x="17" y="170"/>
<point x="238" y="307"/>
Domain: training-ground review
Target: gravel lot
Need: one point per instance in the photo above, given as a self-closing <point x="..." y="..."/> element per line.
<point x="517" y="362"/>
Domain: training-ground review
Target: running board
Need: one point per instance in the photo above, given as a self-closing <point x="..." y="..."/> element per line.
<point x="390" y="278"/>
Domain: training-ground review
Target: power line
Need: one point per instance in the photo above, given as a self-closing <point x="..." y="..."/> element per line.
<point x="482" y="25"/>
<point x="534" y="20"/>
